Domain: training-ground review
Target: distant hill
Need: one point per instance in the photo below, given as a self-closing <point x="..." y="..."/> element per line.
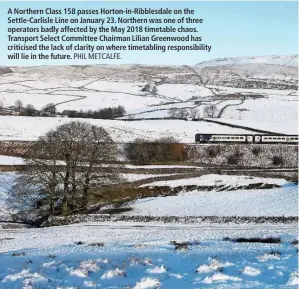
<point x="269" y="72"/>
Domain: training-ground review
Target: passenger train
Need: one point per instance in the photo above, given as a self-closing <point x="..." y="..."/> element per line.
<point x="246" y="138"/>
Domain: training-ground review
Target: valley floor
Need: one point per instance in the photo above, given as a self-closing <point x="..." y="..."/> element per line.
<point x="126" y="255"/>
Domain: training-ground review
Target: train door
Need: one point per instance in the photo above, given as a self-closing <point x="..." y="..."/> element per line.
<point x="257" y="139"/>
<point x="249" y="138"/>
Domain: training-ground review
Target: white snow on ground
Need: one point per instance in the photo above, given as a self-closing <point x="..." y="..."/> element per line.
<point x="157" y="270"/>
<point x="30" y="128"/>
<point x="267" y="257"/>
<point x="7" y="160"/>
<point x="50" y="256"/>
<point x="213" y="266"/>
<point x="261" y="202"/>
<point x="100" y="86"/>
<point x="218" y="180"/>
<point x="294" y="279"/>
<point x="284" y="127"/>
<point x="159" y="167"/>
<point x="147" y="283"/>
<point x="250" y="271"/>
<point x="284" y="60"/>
<point x="136" y="177"/>
<point x="220" y="278"/>
<point x="113" y="273"/>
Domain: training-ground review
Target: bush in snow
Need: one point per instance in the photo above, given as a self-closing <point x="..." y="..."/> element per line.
<point x="277" y="161"/>
<point x="160" y="150"/>
<point x="235" y="157"/>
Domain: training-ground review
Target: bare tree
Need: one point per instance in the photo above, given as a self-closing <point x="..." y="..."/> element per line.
<point x="183" y="113"/>
<point x="195" y="113"/>
<point x="18" y="105"/>
<point x="29" y="110"/>
<point x="50" y="108"/>
<point x="210" y="111"/>
<point x="146" y="87"/>
<point x="155" y="90"/>
<point x="63" y="168"/>
<point x="178" y="113"/>
<point x="173" y="112"/>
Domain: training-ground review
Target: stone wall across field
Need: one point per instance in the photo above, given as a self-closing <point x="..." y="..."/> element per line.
<point x="254" y="155"/>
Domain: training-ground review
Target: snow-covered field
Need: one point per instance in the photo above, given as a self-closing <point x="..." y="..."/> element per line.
<point x="30" y="128"/>
<point x="219" y="180"/>
<point x="258" y="202"/>
<point x="139" y="256"/>
<point x="274" y="81"/>
<point x="7" y="160"/>
<point x="95" y="256"/>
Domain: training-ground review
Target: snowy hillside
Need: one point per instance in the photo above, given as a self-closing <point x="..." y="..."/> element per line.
<point x="30" y="128"/>
<point x="273" y="202"/>
<point x="261" y="91"/>
<point x="283" y="60"/>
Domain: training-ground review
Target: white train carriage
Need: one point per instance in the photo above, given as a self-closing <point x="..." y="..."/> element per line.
<point x="246" y="138"/>
<point x="232" y="138"/>
<point x="223" y="138"/>
<point x="279" y="139"/>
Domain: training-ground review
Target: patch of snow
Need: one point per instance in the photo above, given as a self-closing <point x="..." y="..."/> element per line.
<point x="178" y="276"/>
<point x="89" y="284"/>
<point x="113" y="273"/>
<point x="7" y="160"/>
<point x="219" y="278"/>
<point x="136" y="177"/>
<point x="294" y="279"/>
<point x="259" y="202"/>
<point x="250" y="271"/>
<point x="25" y="273"/>
<point x="267" y="257"/>
<point x="218" y="180"/>
<point x="157" y="270"/>
<point x="147" y="283"/>
<point x="214" y="266"/>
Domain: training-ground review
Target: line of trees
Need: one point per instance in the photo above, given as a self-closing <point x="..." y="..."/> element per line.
<point x="51" y="110"/>
<point x="30" y="110"/>
<point x="104" y="113"/>
<point x="210" y="111"/>
<point x="62" y="170"/>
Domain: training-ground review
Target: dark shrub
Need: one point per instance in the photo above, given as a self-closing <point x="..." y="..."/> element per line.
<point x="254" y="240"/>
<point x="256" y="151"/>
<point x="180" y="246"/>
<point x="212" y="152"/>
<point x="258" y="240"/>
<point x="235" y="157"/>
<point x="97" y="244"/>
<point x="277" y="161"/>
<point x="160" y="150"/>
